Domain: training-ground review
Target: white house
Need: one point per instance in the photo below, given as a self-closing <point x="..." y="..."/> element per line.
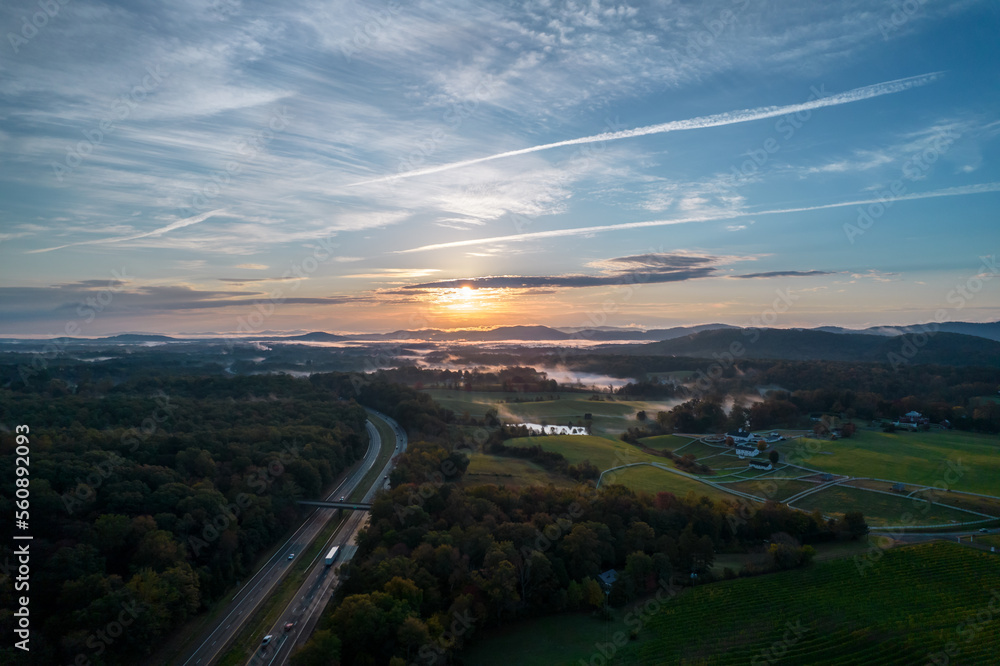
<point x="740" y="435"/>
<point x="745" y="450"/>
<point x="761" y="464"/>
<point x="554" y="429"/>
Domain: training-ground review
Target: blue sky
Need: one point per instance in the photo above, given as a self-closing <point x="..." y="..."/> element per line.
<point x="193" y="167"/>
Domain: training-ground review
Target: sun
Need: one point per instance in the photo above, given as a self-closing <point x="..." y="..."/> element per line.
<point x="466" y="293"/>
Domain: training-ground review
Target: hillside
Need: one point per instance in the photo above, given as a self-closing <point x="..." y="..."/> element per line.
<point x="808" y="345"/>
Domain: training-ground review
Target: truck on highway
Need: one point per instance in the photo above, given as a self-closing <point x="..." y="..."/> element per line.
<point x="332" y="555"/>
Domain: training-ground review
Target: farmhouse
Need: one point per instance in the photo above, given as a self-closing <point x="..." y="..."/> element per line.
<point x="744" y="450"/>
<point x="761" y="464"/>
<point x="740" y="435"/>
<point x="911" y="420"/>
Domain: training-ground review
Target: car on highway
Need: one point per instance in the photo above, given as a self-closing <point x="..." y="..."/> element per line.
<point x="289" y="625"/>
<point x="267" y="639"/>
<point x="983" y="529"/>
<point x="291" y="556"/>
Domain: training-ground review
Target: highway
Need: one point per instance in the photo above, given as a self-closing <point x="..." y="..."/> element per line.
<point x="312" y="597"/>
<point x="217" y="638"/>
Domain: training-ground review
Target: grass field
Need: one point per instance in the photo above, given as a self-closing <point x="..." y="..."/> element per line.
<point x="501" y="470"/>
<point x="771" y="488"/>
<point x="911" y="604"/>
<point x="912" y="457"/>
<point x="880" y="509"/>
<point x="698" y="449"/>
<point x="966" y="501"/>
<point x="653" y="480"/>
<point x="668" y="442"/>
<point x="601" y="451"/>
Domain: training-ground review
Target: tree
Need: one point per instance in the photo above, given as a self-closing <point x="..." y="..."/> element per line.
<point x="593" y="595"/>
<point x="574" y="595"/>
<point x="730" y="442"/>
<point x="641" y="415"/>
<point x="773" y="456"/>
<point x="500" y="586"/>
<point x="761" y="445"/>
<point x="638" y="573"/>
<point x="413" y="634"/>
<point x="855" y="524"/>
<point x="322" y="649"/>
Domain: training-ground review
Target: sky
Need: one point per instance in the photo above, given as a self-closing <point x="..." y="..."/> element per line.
<point x="248" y="167"/>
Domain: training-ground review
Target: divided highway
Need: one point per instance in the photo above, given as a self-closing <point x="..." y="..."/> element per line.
<point x="303" y="612"/>
<point x="311" y="597"/>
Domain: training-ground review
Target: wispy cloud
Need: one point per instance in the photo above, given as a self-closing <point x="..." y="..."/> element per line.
<point x="173" y="226"/>
<point x="583" y="231"/>
<point x="715" y="120"/>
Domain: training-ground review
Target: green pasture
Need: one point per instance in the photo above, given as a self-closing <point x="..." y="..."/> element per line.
<point x="653" y="480"/>
<point x="881" y="509"/>
<point x="958" y="460"/>
<point x="506" y="471"/>
<point x="600" y="451"/>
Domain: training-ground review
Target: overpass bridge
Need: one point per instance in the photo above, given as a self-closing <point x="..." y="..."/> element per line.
<point x="356" y="506"/>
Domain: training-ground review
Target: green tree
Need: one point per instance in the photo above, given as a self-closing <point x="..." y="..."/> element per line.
<point x="412" y="635"/>
<point x="593" y="595"/>
<point x="322" y="649"/>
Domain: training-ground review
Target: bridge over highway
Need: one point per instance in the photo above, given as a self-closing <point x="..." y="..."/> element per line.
<point x="357" y="506"/>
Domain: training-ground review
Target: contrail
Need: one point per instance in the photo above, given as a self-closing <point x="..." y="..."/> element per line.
<point x="186" y="222"/>
<point x="716" y="120"/>
<point x="583" y="231"/>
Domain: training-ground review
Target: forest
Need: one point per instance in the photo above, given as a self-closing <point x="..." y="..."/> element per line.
<point x="158" y="494"/>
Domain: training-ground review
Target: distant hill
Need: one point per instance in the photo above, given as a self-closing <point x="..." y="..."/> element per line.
<point x="812" y="345"/>
<point x="139" y="337"/>
<point x="988" y="330"/>
<point x="317" y="336"/>
<point x="535" y="333"/>
<point x="655" y="334"/>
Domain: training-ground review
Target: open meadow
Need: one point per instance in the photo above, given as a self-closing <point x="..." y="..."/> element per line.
<point x="654" y="480"/>
<point x="881" y="509"/>
<point x="506" y="471"/>
<point x="957" y="460"/>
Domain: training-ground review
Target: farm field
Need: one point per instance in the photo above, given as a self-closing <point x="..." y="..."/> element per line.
<point x="502" y="470"/>
<point x="721" y="460"/>
<point x="778" y="489"/>
<point x="909" y="606"/>
<point x="961" y="500"/>
<point x="602" y="452"/>
<point x="653" y="480"/>
<point x="668" y="442"/>
<point x="698" y="449"/>
<point x="880" y="509"/>
<point x="911" y="457"/>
